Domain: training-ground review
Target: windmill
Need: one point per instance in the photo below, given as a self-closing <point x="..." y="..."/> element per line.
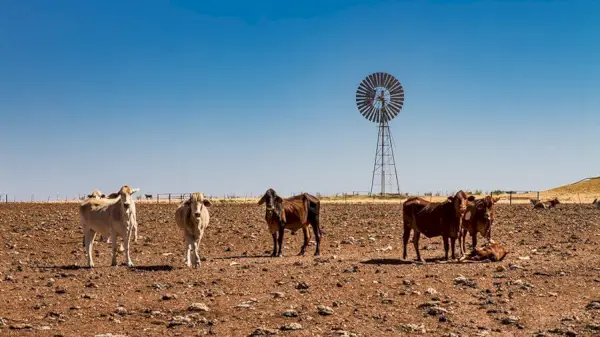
<point x="379" y="98"/>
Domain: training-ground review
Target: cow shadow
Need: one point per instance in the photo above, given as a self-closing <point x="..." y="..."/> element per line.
<point x="242" y="257"/>
<point x="390" y="261"/>
<point x="65" y="267"/>
<point x="160" y="267"/>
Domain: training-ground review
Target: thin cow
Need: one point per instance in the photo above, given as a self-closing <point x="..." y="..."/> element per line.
<point x="294" y="213"/>
<point x="114" y="216"/>
<point x="433" y="219"/>
<point x="478" y="218"/>
<point x="192" y="218"/>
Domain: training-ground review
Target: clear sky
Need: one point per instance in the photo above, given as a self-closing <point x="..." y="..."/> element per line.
<point x="239" y="96"/>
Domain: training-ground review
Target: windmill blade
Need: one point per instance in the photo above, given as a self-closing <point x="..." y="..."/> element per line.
<point x="370" y="106"/>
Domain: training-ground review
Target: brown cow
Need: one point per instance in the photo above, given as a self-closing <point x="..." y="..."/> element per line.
<point x="294" y="213"/>
<point x="433" y="219"/>
<point x="478" y="218"/>
<point x="546" y="204"/>
<point x="596" y="203"/>
<point x="490" y="251"/>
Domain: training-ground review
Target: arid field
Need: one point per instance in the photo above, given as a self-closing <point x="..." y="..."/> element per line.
<point x="549" y="284"/>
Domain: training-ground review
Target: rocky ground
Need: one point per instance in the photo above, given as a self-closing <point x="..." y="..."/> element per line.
<point x="549" y="284"/>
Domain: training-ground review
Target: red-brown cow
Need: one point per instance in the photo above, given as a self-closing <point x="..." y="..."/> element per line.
<point x="433" y="219"/>
<point x="490" y="251"/>
<point x="478" y="218"/>
<point x="294" y="213"/>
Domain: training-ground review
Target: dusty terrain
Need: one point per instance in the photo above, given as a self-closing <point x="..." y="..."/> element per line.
<point x="549" y="284"/>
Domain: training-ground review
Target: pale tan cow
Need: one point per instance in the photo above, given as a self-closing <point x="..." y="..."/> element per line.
<point x="114" y="216"/>
<point x="192" y="218"/>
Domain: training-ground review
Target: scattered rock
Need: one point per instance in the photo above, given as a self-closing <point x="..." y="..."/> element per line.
<point x="593" y="305"/>
<point x="121" y="311"/>
<point x="198" y="307"/>
<point x="20" y="326"/>
<point x="178" y="320"/>
<point x="278" y="294"/>
<point x="260" y="331"/>
<point x="431" y="291"/>
<point x="593" y="326"/>
<point x="324" y="311"/>
<point x="461" y="280"/>
<point x="168" y="297"/>
<point x="109" y="335"/>
<point x="291" y="327"/>
<point x="302" y="286"/>
<point x="510" y="320"/>
<point x="501" y="269"/>
<point x="61" y="290"/>
<point x="290" y="313"/>
<point x="412" y="328"/>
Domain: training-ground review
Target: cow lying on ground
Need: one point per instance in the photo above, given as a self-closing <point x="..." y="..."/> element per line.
<point x="294" y="213"/>
<point x="433" y="219"/>
<point x="478" y="218"/>
<point x="597" y="203"/>
<point x="114" y="216"/>
<point x="192" y="218"/>
<point x="490" y="251"/>
<point x="545" y="204"/>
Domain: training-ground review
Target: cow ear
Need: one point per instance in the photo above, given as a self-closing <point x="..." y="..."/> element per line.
<point x="207" y="202"/>
<point x="262" y="200"/>
<point x="471" y="198"/>
<point x="451" y="198"/>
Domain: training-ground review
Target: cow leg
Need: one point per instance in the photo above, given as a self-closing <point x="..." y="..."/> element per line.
<point x="305" y="244"/>
<point x="188" y="250"/>
<point x="274" y="235"/>
<point x="474" y="238"/>
<point x="88" y="241"/>
<point x="453" y="244"/>
<point x="416" y="238"/>
<point x="405" y="237"/>
<point x="280" y="238"/>
<point x="446" y="246"/>
<point x="113" y="237"/>
<point x="317" y="230"/>
<point x="196" y="256"/>
<point x="462" y="243"/>
<point x="126" y="240"/>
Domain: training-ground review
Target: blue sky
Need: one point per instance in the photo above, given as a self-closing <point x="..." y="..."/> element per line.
<point x="240" y="96"/>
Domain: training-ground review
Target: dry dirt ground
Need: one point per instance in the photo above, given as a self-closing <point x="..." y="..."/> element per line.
<point x="549" y="284"/>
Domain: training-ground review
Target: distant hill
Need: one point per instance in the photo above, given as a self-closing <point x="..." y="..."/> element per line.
<point x="584" y="186"/>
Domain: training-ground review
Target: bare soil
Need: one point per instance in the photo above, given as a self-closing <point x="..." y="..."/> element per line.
<point x="546" y="286"/>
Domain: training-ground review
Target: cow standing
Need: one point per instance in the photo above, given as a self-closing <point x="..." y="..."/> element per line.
<point x="433" y="219"/>
<point x="115" y="216"/>
<point x="478" y="218"/>
<point x="192" y="218"/>
<point x="294" y="213"/>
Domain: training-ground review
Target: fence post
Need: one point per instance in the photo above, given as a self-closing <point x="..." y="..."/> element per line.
<point x="538" y="195"/>
<point x="510" y="197"/>
<point x="157" y="198"/>
<point x="169" y="198"/>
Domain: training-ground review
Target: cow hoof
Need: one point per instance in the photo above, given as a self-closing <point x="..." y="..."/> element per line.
<point x="301" y="254"/>
<point x="130" y="264"/>
<point x="317" y="254"/>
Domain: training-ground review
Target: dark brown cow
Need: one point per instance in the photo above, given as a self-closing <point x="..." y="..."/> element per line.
<point x="294" y="213"/>
<point x="490" y="251"/>
<point x="433" y="219"/>
<point x="478" y="218"/>
<point x="546" y="204"/>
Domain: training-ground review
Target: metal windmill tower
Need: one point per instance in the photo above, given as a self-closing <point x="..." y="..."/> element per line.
<point x="380" y="98"/>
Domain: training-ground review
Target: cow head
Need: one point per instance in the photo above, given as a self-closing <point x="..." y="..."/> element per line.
<point x="459" y="201"/>
<point x="196" y="202"/>
<point x="96" y="194"/>
<point x="125" y="194"/>
<point x="274" y="203"/>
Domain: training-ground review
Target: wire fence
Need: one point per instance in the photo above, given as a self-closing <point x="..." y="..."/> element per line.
<point x="508" y="195"/>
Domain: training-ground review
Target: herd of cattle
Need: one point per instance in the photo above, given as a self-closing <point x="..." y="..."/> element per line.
<point x="114" y="216"/>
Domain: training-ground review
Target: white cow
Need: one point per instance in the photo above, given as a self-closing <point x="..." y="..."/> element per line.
<point x="115" y="216"/>
<point x="192" y="218"/>
<point x="96" y="194"/>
